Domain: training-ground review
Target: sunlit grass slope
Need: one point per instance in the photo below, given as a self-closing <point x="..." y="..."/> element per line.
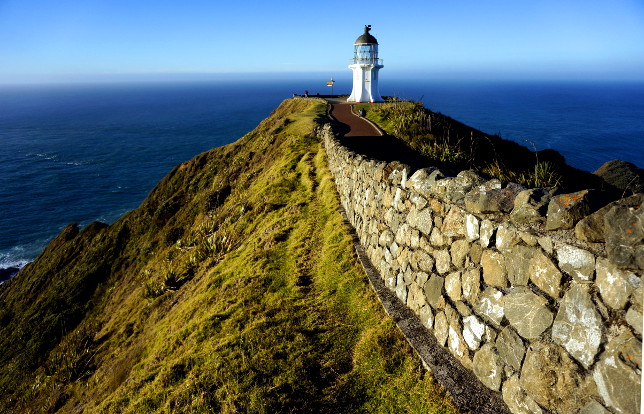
<point x="233" y="288"/>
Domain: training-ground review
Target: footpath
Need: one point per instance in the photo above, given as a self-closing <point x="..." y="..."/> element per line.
<point x="363" y="137"/>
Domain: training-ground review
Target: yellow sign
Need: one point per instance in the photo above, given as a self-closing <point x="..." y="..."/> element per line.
<point x="329" y="84"/>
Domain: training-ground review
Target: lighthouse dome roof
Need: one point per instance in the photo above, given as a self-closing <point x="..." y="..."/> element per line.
<point x="366" y="37"/>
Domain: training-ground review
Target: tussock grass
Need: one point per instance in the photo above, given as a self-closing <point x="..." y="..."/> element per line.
<point x="273" y="312"/>
<point x="453" y="145"/>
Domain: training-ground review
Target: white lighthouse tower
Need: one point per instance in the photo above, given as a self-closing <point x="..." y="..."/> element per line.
<point x="365" y="66"/>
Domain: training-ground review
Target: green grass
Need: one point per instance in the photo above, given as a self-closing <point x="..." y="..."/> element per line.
<point x="252" y="301"/>
<point x="450" y="144"/>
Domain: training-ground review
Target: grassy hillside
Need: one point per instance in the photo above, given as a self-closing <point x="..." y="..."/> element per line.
<point x="452" y="145"/>
<point x="233" y="288"/>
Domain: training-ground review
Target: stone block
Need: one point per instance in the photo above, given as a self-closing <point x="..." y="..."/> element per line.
<point x="593" y="407"/>
<point x="386" y="238"/>
<point x="530" y="206"/>
<point x="441" y="328"/>
<point x="494" y="271"/>
<point x="591" y="228"/>
<point x="510" y="348"/>
<point x="437" y="239"/>
<point x="506" y="237"/>
<point x="416" y="297"/>
<point x="490" y="306"/>
<point x="454" y="223"/>
<point x="492" y="200"/>
<point x="486" y="234"/>
<point x="434" y="290"/>
<point x="458" y="187"/>
<point x="459" y="251"/>
<point x="453" y="286"/>
<point x="517" y="264"/>
<point x="544" y="274"/>
<point x="471" y="284"/>
<point x="578" y="263"/>
<point x="618" y="374"/>
<point x="624" y="234"/>
<point x="527" y="312"/>
<point x="565" y="210"/>
<point x="552" y="379"/>
<point x="443" y="261"/>
<point x="615" y="285"/>
<point x="578" y="325"/>
<point x="473" y="331"/>
<point x="634" y="318"/>
<point x="423" y="180"/>
<point x="487" y="367"/>
<point x="476" y="251"/>
<point x="425" y="261"/>
<point x="472" y="227"/>
<point x="456" y="343"/>
<point x="516" y="398"/>
<point x="462" y="308"/>
<point x="426" y="317"/>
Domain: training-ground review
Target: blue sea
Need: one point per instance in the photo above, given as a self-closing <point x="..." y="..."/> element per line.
<point x="86" y="152"/>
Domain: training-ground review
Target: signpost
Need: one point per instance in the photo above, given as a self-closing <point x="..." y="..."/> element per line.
<point x="331" y="85"/>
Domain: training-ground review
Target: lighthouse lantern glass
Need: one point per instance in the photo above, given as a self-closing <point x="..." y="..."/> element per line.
<point x="365" y="53"/>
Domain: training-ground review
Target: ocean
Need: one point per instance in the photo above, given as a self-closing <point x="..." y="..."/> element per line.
<point x="86" y="152"/>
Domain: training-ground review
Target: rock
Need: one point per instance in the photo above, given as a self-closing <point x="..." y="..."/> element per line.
<point x="425" y="261"/>
<point x="454" y="223"/>
<point x="434" y="290"/>
<point x="459" y="251"/>
<point x="624" y="233"/>
<point x="565" y="210"/>
<point x="530" y="206"/>
<point x="578" y="263"/>
<point x="487" y="367"/>
<point x="386" y="238"/>
<point x="527" y="313"/>
<point x="593" y="407"/>
<point x="476" y="251"/>
<point x="471" y="227"/>
<point x="510" y="348"/>
<point x="462" y="184"/>
<point x="618" y="373"/>
<point x="517" y="264"/>
<point x="552" y="379"/>
<point x="494" y="273"/>
<point x="506" y="236"/>
<point x="441" y="328"/>
<point x="426" y="317"/>
<point x="437" y="239"/>
<point x="462" y="308"/>
<point x="486" y="233"/>
<point x="401" y="289"/>
<point x="453" y="286"/>
<point x="615" y="285"/>
<point x="415" y="297"/>
<point x="492" y="200"/>
<point x="634" y="318"/>
<point x="473" y="331"/>
<point x="456" y="343"/>
<point x="516" y="398"/>
<point x="443" y="261"/>
<point x="423" y="180"/>
<point x="490" y="306"/>
<point x="622" y="175"/>
<point x="578" y="325"/>
<point x="471" y="284"/>
<point x="544" y="274"/>
<point x="421" y="220"/>
<point x="591" y="228"/>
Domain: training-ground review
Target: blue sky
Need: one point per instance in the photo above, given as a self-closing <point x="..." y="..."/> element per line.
<point x="44" y="40"/>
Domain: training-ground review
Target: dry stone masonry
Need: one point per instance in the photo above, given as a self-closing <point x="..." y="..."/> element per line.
<point x="538" y="293"/>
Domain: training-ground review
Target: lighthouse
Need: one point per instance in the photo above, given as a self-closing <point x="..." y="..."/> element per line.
<point x="365" y="66"/>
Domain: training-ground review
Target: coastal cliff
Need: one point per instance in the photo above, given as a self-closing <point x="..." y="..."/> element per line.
<point x="235" y="285"/>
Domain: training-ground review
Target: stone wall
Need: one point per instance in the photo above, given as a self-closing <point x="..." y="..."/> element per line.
<point x="537" y="296"/>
